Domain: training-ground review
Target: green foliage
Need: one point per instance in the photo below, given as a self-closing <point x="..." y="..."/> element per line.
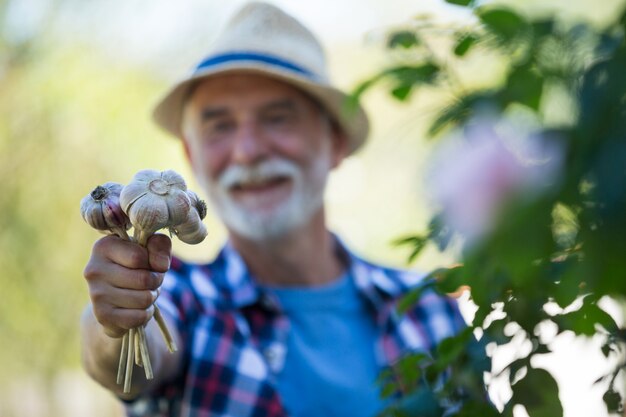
<point x="404" y="39"/>
<point x="504" y="24"/>
<point x="460" y="2"/>
<point x="464" y="43"/>
<point x="538" y="392"/>
<point x="564" y="247"/>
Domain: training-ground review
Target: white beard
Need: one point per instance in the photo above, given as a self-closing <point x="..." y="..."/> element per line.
<point x="306" y="198"/>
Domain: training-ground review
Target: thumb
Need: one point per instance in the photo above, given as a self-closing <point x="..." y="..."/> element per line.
<point x="159" y="252"/>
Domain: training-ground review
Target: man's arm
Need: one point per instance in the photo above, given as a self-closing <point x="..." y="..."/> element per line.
<point x="123" y="280"/>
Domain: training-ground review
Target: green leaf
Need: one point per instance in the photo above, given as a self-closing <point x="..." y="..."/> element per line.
<point x="402" y="92"/>
<point x="541" y="349"/>
<point x="495" y="331"/>
<point x="569" y="275"/>
<point x="409" y="74"/>
<point x="464" y="44"/>
<point x="388" y="390"/>
<point x="405" y="39"/>
<point x="524" y="86"/>
<point x="538" y="392"/>
<point x="477" y="408"/>
<point x="503" y="22"/>
<point x="459" y="111"/>
<point x="450" y="348"/>
<point x="439" y="232"/>
<point x="411" y="298"/>
<point x="613" y="401"/>
<point x="353" y="99"/>
<point x="417" y="242"/>
<point x="406" y="77"/>
<point x="584" y="320"/>
<point x="607" y="349"/>
<point x="449" y="280"/>
<point x="517" y="367"/>
<point x="460" y="2"/>
<point x="422" y="403"/>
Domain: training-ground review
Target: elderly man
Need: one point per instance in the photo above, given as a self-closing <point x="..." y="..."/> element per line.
<point x="286" y="320"/>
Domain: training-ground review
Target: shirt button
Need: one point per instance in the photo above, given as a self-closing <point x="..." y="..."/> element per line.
<point x="274" y="355"/>
<point x="267" y="302"/>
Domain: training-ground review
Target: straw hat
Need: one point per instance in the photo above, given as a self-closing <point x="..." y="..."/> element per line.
<point x="262" y="39"/>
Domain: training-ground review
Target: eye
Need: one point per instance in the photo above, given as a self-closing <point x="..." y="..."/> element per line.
<point x="218" y="129"/>
<point x="277" y="118"/>
<point x="222" y="126"/>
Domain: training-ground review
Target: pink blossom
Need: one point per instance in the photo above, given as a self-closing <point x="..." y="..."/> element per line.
<point x="472" y="176"/>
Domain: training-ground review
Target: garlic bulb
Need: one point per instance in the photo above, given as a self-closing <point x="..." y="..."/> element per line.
<point x="198" y="204"/>
<point x="154" y="200"/>
<point x="192" y="231"/>
<point x="101" y="209"/>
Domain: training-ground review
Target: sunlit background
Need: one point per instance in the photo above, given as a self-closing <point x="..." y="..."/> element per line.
<point x="77" y="83"/>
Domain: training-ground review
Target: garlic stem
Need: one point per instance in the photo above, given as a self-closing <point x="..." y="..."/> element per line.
<point x="121" y="233"/>
<point x="129" y="361"/>
<point x="169" y="340"/>
<point x="136" y="340"/>
<point x="143" y="237"/>
<point x="121" y="367"/>
<point x="145" y="354"/>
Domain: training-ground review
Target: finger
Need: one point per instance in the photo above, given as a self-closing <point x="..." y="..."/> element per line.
<point x="137" y="279"/>
<point x="117" y="321"/>
<point x="102" y="271"/>
<point x="121" y="252"/>
<point x="134" y="279"/>
<point x="159" y="252"/>
<point x="122" y="298"/>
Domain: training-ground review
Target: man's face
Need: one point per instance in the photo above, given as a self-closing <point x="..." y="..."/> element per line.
<point x="262" y="150"/>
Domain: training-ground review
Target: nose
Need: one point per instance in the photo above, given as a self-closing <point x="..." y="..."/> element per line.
<point x="249" y="145"/>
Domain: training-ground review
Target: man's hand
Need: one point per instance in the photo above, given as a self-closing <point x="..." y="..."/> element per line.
<point x="124" y="279"/>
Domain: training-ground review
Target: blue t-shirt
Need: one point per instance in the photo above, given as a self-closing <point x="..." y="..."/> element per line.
<point x="330" y="368"/>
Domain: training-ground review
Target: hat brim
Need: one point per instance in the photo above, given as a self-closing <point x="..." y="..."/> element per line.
<point x="350" y="115"/>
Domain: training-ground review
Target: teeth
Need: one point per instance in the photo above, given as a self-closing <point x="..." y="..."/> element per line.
<point x="257" y="181"/>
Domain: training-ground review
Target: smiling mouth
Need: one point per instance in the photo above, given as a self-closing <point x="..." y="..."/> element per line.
<point x="266" y="184"/>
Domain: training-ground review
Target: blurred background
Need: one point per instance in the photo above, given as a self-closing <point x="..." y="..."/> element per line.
<point x="77" y="83"/>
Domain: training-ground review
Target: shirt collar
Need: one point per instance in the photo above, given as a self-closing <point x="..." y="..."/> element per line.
<point x="377" y="284"/>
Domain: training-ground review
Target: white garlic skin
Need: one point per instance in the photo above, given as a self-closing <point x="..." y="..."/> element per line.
<point x="198" y="204"/>
<point x="155" y="200"/>
<point x="193" y="231"/>
<point x="101" y="209"/>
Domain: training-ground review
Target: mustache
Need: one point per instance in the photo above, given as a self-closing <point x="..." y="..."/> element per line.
<point x="258" y="173"/>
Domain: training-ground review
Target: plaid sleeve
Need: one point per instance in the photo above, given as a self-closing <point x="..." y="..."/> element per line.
<point x="435" y="317"/>
<point x="178" y="301"/>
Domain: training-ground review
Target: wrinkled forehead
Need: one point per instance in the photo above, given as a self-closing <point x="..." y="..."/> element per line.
<point x="232" y="88"/>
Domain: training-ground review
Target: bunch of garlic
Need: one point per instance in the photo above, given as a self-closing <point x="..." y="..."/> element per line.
<point x="152" y="201"/>
<point x="101" y="210"/>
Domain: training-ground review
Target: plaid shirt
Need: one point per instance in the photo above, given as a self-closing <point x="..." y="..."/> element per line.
<point x="235" y="336"/>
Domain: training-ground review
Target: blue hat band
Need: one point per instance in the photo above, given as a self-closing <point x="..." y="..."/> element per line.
<point x="217" y="60"/>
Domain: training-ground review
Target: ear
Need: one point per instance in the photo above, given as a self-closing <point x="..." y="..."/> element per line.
<point x="187" y="151"/>
<point x="340" y="146"/>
